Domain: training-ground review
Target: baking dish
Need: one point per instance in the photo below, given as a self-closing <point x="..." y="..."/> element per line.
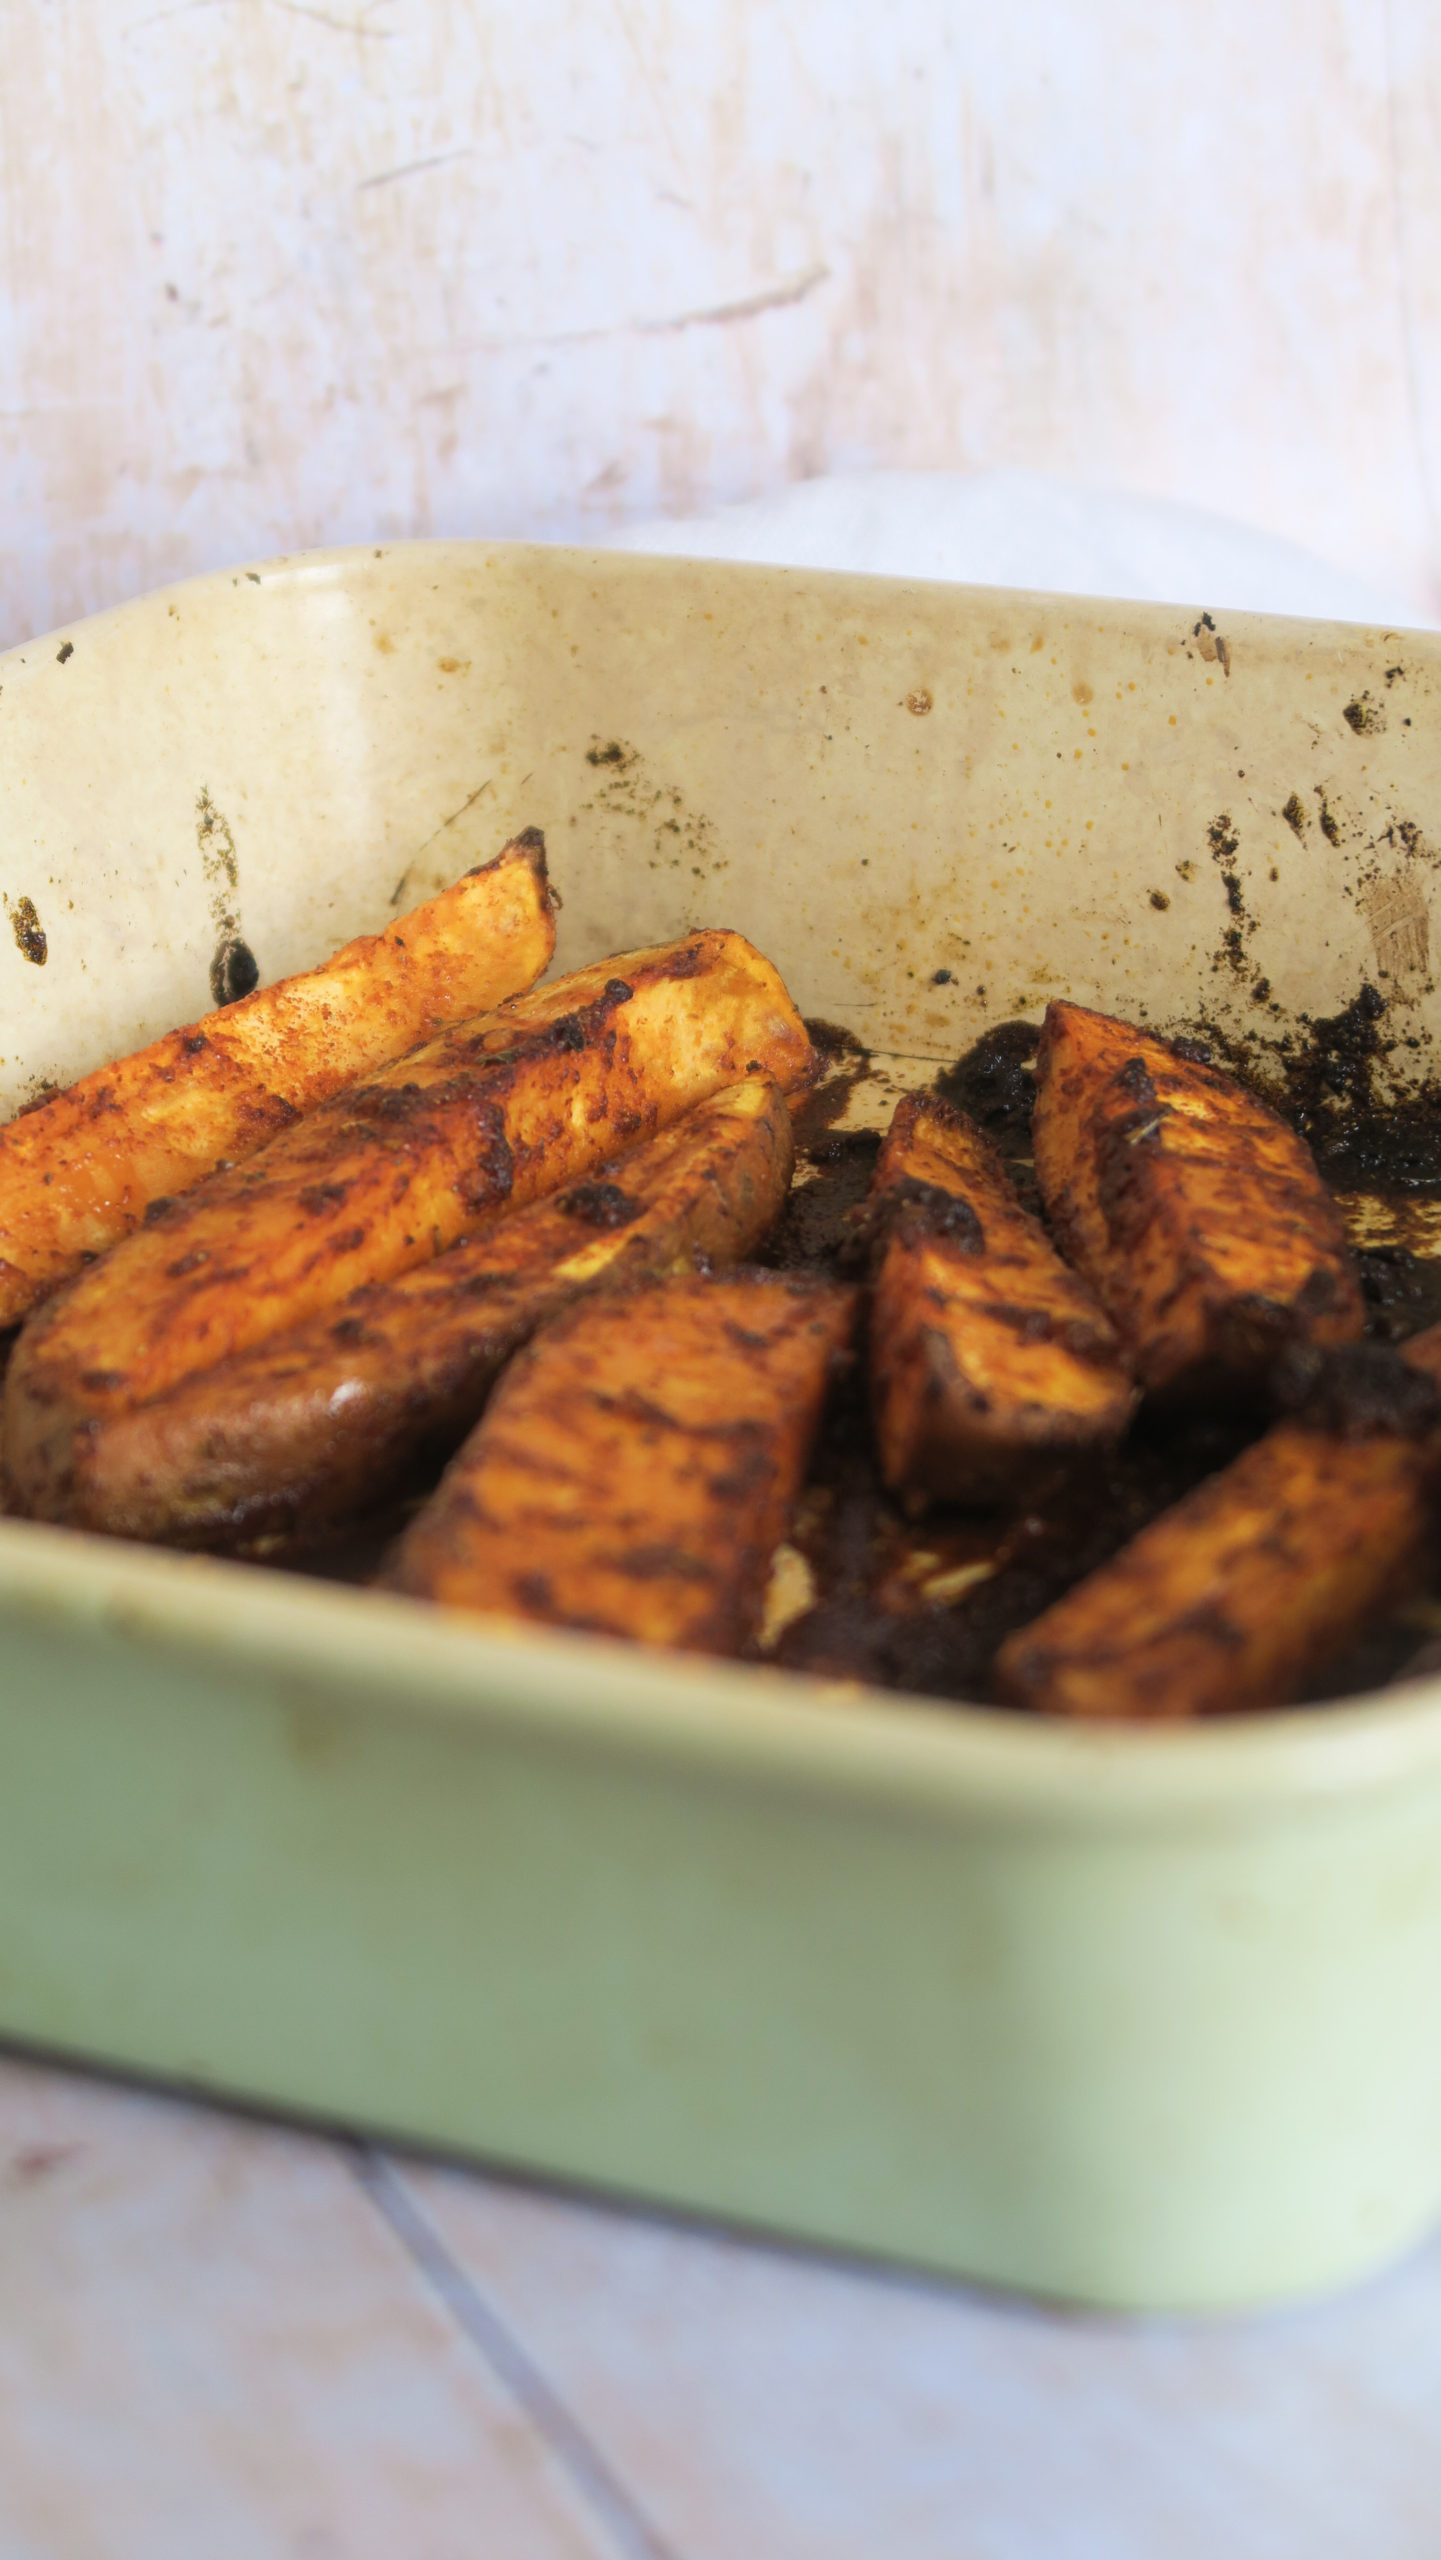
<point x="1145" y="2019"/>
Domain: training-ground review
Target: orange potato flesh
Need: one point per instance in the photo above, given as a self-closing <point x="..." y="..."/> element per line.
<point x="638" y="1464"/>
<point x="990" y="1360"/>
<point x="80" y="1171"/>
<point x="1238" y="1596"/>
<point x="318" y="1424"/>
<point x="494" y="1114"/>
<point x="1197" y="1216"/>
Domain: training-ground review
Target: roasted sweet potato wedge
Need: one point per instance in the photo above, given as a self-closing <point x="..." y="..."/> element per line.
<point x="80" y="1171"/>
<point x="638" y="1464"/>
<point x="1197" y="1216"/>
<point x="990" y="1359"/>
<point x="1238" y="1596"/>
<point x="492" y="1115"/>
<point x="313" y="1426"/>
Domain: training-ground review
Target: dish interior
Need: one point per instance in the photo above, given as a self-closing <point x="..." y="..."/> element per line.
<point x="932" y="808"/>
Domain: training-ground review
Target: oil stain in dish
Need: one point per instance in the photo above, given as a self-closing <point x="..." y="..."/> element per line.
<point x="1343" y="1081"/>
<point x="234" y="969"/>
<point x="822" y="1229"/>
<point x="1225" y="845"/>
<point x="1212" y="644"/>
<point x="844" y="1062"/>
<point x="234" y="972"/>
<point x="31" y="937"/>
<point x="679" y="839"/>
<point x="1402" y="1290"/>
<point x="994" y="1083"/>
<point x="1337" y="1090"/>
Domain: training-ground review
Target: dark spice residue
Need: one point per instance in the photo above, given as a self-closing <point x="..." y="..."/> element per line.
<point x="995" y="1084"/>
<point x="1402" y="1290"/>
<point x="844" y="1063"/>
<point x="234" y="972"/>
<point x="1355" y="1390"/>
<point x="599" y="1204"/>
<point x="922" y="1604"/>
<point x="30" y="934"/>
<point x="913" y="1208"/>
<point x="873" y="1620"/>
<point x="820" y="1225"/>
<point x="1225" y="845"/>
<point x="1336" y="1091"/>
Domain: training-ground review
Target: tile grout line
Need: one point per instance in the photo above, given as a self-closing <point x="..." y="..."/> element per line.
<point x="570" y="2446"/>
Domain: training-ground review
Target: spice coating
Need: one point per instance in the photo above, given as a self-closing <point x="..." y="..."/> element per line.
<point x="318" y="1424"/>
<point x="639" y="1463"/>
<point x="79" y="1172"/>
<point x="1198" y="1217"/>
<point x="1235" y="1597"/>
<point x="496" y="1112"/>
<point x="989" y="1358"/>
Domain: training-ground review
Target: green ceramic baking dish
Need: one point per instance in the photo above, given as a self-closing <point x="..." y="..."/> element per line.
<point x="1138" y="2018"/>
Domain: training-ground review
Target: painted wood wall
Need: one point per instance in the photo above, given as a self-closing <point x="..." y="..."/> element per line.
<point x="283" y="272"/>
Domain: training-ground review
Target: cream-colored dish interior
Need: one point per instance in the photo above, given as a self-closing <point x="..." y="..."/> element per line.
<point x="933" y="808"/>
<point x="878" y="782"/>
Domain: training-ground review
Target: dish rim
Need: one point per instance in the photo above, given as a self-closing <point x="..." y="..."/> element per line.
<point x="742" y="1720"/>
<point x="745" y="1719"/>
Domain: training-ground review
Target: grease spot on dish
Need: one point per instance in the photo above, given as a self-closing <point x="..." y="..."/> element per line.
<point x="30" y="934"/>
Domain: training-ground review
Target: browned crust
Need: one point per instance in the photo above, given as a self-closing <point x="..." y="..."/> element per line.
<point x="1197" y="1216"/>
<point x="79" y="1172"/>
<point x="494" y="1114"/>
<point x="315" y="1425"/>
<point x="1239" y="1595"/>
<point x="990" y="1360"/>
<point x="638" y="1464"/>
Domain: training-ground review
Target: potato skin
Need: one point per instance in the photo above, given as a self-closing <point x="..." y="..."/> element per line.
<point x="80" y="1171"/>
<point x="492" y="1115"/>
<point x="310" y="1427"/>
<point x="1197" y="1216"/>
<point x="1235" y="1598"/>
<point x="990" y="1360"/>
<point x="638" y="1464"/>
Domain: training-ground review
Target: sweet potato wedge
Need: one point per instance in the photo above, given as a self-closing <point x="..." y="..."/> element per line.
<point x="494" y="1114"/>
<point x="1241" y="1593"/>
<point x="313" y="1426"/>
<point x="990" y="1359"/>
<point x="638" y="1464"/>
<point x="1197" y="1216"/>
<point x="80" y="1171"/>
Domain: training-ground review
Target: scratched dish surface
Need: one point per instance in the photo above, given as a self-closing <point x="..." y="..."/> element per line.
<point x="876" y="781"/>
<point x="1137" y="2018"/>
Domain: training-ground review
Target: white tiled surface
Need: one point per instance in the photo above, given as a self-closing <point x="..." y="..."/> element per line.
<point x="212" y="2348"/>
<point x="225" y="2341"/>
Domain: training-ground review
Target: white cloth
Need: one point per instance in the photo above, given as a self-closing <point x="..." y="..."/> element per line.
<point x="1025" y="529"/>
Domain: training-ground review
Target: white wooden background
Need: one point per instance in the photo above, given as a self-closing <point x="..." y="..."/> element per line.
<point x="283" y="272"/>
